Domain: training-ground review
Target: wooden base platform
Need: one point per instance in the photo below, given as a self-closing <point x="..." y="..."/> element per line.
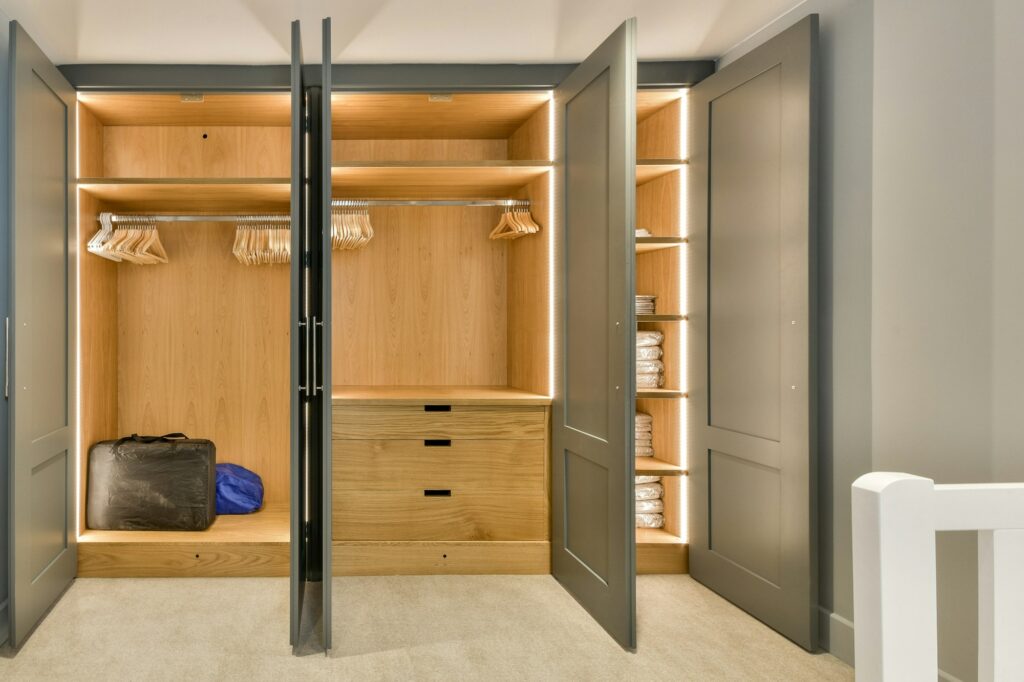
<point x="441" y="558"/>
<point x="658" y="551"/>
<point x="253" y="545"/>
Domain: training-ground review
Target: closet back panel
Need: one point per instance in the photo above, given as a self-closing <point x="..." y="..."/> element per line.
<point x="196" y="151"/>
<point x="203" y="349"/>
<point x="424" y="303"/>
<point x="427" y="150"/>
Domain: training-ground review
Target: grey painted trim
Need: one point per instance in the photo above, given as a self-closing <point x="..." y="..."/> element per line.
<point x="295" y="277"/>
<point x="5" y="274"/>
<point x="5" y="623"/>
<point x="835" y="635"/>
<point x="324" y="370"/>
<point x="378" y="77"/>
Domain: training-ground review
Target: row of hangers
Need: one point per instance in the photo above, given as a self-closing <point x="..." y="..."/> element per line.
<point x="133" y="239"/>
<point x="266" y="239"/>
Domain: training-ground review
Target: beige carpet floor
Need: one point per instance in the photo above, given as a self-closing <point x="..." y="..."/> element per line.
<point x="450" y="628"/>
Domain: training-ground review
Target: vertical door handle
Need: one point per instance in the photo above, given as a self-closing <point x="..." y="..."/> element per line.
<point x="7" y="358"/>
<point x="311" y="330"/>
<point x="304" y="333"/>
<point x="318" y="328"/>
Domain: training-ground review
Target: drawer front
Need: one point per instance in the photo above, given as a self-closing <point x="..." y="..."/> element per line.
<point x="479" y="422"/>
<point x="452" y="490"/>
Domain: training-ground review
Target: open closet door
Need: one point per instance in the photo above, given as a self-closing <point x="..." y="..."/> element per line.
<point x="39" y="382"/>
<point x="310" y="347"/>
<point x="752" y="502"/>
<point x="592" y="535"/>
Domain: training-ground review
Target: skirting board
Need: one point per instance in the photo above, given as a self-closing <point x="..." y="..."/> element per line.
<point x="662" y="558"/>
<point x="182" y="559"/>
<point x="441" y="558"/>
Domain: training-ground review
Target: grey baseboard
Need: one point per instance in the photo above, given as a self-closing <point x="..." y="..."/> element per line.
<point x="835" y="634"/>
<point x="5" y="622"/>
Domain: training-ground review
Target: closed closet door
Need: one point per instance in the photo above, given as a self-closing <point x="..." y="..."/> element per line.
<point x="41" y="359"/>
<point x="751" y="371"/>
<point x="592" y="534"/>
<point x="310" y="350"/>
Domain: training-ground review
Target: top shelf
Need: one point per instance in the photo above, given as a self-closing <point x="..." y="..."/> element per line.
<point x="135" y="109"/>
<point x="435" y="395"/>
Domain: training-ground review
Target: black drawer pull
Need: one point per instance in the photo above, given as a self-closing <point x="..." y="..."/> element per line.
<point x="433" y="492"/>
<point x="437" y="408"/>
<point x="437" y="443"/>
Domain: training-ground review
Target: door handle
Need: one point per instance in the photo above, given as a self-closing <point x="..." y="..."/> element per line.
<point x="318" y="326"/>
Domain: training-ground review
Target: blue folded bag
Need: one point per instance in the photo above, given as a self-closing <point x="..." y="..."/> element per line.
<point x="239" y="491"/>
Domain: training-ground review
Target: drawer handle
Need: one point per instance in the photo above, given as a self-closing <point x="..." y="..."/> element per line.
<point x="436" y="492"/>
<point x="437" y="443"/>
<point x="437" y="408"/>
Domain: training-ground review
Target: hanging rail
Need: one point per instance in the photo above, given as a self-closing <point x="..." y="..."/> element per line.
<point x="336" y="203"/>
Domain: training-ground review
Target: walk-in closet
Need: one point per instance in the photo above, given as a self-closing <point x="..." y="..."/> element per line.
<point x="458" y="320"/>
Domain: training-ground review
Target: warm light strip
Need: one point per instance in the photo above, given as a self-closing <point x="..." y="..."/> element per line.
<point x="684" y="301"/>
<point x="551" y="246"/>
<point x="77" y="497"/>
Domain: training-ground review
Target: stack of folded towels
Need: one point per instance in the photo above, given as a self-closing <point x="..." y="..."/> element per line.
<point x="644" y="426"/>
<point x="650" y="505"/>
<point x="645" y="304"/>
<point x="650" y="370"/>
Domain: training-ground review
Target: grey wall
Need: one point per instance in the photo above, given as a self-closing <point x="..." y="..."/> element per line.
<point x="844" y="288"/>
<point x="922" y="288"/>
<point x="4" y="279"/>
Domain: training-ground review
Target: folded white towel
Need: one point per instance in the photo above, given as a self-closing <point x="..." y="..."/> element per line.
<point x="650" y="506"/>
<point x="648" y="353"/>
<point x="650" y="521"/>
<point x="649" y="491"/>
<point x="649" y="338"/>
<point x="643" y="442"/>
<point x="644" y="452"/>
<point x="646" y="479"/>
<point x="655" y="380"/>
<point x="649" y="366"/>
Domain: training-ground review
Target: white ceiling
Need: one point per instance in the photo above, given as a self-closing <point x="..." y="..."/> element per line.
<point x="382" y="31"/>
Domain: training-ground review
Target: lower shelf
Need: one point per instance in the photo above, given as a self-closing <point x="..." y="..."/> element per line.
<point x="441" y="558"/>
<point x="253" y="545"/>
<point x="658" y="551"/>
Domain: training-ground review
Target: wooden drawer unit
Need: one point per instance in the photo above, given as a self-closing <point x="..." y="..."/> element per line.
<point x="478" y="422"/>
<point x="440" y="490"/>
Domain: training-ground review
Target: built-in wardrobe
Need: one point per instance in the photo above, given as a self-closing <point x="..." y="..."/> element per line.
<point x="437" y="399"/>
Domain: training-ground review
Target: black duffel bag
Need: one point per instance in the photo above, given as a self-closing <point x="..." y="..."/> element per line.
<point x="164" y="482"/>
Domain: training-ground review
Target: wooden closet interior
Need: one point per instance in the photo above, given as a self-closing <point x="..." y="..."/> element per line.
<point x="442" y="338"/>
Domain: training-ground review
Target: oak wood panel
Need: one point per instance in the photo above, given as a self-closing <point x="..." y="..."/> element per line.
<point x="196" y="151"/>
<point x="436" y="395"/>
<point x="90" y="143"/>
<point x="658" y="136"/>
<point x="658" y="203"/>
<point x="203" y="349"/>
<point x="532" y="140"/>
<point x="182" y="195"/>
<point x="97" y="318"/>
<point x="650" y="101"/>
<point x="669" y="446"/>
<point x="243" y="545"/>
<point x="657" y="273"/>
<point x="441" y="558"/>
<point x="651" y="466"/>
<point x="413" y="116"/>
<point x="419" y="150"/>
<point x="378" y="466"/>
<point x="529" y="297"/>
<point x="473" y="422"/>
<point x="648" y="244"/>
<point x="127" y="109"/>
<point x="658" y="551"/>
<point x="416" y="180"/>
<point x="424" y="303"/>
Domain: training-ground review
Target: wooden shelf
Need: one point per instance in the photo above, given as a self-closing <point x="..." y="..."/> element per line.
<point x="135" y="109"/>
<point x="235" y="545"/>
<point x="191" y="194"/>
<point x="658" y="551"/>
<point x="659" y="393"/>
<point x="435" y="180"/>
<point x="661" y="318"/>
<point x="390" y="116"/>
<point x="652" y="466"/>
<point x="648" y="244"/>
<point x="435" y="395"/>
<point x="651" y="169"/>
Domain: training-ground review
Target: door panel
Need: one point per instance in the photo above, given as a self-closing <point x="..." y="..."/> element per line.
<point x="752" y="378"/>
<point x="322" y="261"/>
<point x="42" y="350"/>
<point x="593" y="548"/>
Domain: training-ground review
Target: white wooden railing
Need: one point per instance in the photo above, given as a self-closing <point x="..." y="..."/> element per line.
<point x="895" y="517"/>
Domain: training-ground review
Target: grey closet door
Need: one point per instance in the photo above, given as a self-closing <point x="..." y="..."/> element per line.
<point x="751" y="368"/>
<point x="311" y="343"/>
<point x="593" y="550"/>
<point x="298" y="434"/>
<point x="40" y="384"/>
